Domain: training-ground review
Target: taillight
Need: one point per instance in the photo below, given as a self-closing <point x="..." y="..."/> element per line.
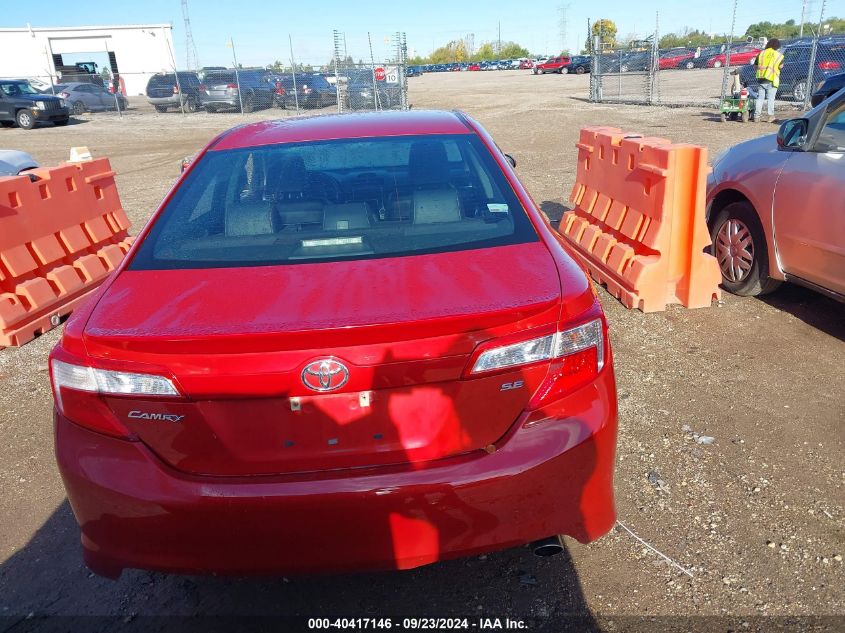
<point x="176" y="90"/>
<point x="232" y="86"/>
<point x="201" y="88"/>
<point x="78" y="391"/>
<point x="64" y="95"/>
<point x="279" y="88"/>
<point x="830" y="65"/>
<point x="577" y="355"/>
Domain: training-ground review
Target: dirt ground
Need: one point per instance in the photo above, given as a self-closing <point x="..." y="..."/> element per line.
<point x="757" y="518"/>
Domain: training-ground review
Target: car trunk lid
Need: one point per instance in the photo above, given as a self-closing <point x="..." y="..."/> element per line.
<point x="238" y="340"/>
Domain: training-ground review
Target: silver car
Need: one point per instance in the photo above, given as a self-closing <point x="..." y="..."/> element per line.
<point x="86" y="97"/>
<point x="776" y="206"/>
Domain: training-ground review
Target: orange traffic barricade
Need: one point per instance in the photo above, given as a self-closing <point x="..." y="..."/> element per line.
<point x="638" y="219"/>
<point x="61" y="233"/>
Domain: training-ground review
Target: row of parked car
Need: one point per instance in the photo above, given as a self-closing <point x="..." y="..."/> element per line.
<point x="256" y="88"/>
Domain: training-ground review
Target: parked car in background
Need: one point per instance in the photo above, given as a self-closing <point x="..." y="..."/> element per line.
<point x="702" y="56"/>
<point x="674" y="58"/>
<point x="739" y="55"/>
<point x="553" y="65"/>
<point x="775" y="206"/>
<point x="254" y="88"/>
<point x="14" y="162"/>
<point x="580" y="64"/>
<point x="414" y="71"/>
<point x="829" y="61"/>
<point x="175" y="90"/>
<point x="526" y="64"/>
<point x="312" y="90"/>
<point x="831" y="86"/>
<point x="87" y="97"/>
<point x="24" y="106"/>
<point x="474" y="66"/>
<point x="406" y="338"/>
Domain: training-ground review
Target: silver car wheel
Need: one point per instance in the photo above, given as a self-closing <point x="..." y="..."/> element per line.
<point x="734" y="250"/>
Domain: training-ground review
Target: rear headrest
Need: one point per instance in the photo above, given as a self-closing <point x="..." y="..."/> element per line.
<point x="249" y="219"/>
<point x="292" y="176"/>
<point x="433" y="206"/>
<point x="428" y="163"/>
<point x="342" y="217"/>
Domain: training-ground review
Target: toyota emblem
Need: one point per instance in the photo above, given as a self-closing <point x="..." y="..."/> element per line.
<point x="326" y="374"/>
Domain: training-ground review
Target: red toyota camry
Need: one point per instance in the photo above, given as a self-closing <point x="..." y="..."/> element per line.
<point x="342" y="342"/>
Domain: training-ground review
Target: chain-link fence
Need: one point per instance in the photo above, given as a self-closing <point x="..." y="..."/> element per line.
<point x="373" y="85"/>
<point x="723" y="74"/>
<point x="337" y="83"/>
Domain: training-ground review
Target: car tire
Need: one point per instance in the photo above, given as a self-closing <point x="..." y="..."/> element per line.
<point x="799" y="90"/>
<point x="160" y="108"/>
<point x="61" y="122"/>
<point x="739" y="245"/>
<point x="579" y="70"/>
<point x="77" y="107"/>
<point x="190" y="105"/>
<point x="564" y="71"/>
<point x="689" y="65"/>
<point x="248" y="104"/>
<point x="211" y="108"/>
<point x="717" y="64"/>
<point x="25" y="120"/>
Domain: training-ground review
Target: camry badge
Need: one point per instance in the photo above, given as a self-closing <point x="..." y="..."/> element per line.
<point x="325" y="374"/>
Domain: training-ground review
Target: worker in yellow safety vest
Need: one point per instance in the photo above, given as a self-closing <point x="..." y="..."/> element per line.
<point x="769" y="62"/>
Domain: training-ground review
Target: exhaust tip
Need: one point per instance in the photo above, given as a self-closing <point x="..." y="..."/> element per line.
<point x="548" y="546"/>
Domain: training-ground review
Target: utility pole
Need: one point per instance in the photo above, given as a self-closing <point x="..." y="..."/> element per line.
<point x="191" y="58"/>
<point x="803" y="13"/>
<point x="563" y="25"/>
<point x="499" y="49"/>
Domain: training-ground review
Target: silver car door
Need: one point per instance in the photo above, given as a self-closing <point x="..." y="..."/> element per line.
<point x="809" y="207"/>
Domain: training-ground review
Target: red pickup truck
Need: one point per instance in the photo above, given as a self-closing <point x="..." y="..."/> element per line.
<point x="558" y="65"/>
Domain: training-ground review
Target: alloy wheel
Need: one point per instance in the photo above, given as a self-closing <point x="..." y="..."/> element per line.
<point x="734" y="250"/>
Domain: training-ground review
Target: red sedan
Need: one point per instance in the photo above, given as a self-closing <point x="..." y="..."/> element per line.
<point x="341" y="343"/>
<point x="674" y="58"/>
<point x="739" y="56"/>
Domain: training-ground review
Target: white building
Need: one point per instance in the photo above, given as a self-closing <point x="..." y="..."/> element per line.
<point x="138" y="51"/>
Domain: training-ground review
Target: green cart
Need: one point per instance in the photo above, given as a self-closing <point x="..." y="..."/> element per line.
<point x="736" y="108"/>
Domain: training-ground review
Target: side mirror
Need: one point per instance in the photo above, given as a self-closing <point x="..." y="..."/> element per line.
<point x="793" y="134"/>
<point x="511" y="160"/>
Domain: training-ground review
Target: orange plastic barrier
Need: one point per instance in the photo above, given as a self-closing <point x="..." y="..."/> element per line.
<point x="638" y="219"/>
<point x="60" y="236"/>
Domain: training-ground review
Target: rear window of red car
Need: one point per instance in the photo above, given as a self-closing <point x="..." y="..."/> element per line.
<point x="336" y="200"/>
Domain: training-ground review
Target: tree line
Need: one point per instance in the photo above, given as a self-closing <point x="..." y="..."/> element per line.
<point x="692" y="38"/>
<point x="457" y="51"/>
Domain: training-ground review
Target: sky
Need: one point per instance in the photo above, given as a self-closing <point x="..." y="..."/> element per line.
<point x="260" y="33"/>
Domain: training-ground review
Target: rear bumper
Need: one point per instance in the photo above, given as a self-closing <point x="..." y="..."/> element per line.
<point x="552" y="477"/>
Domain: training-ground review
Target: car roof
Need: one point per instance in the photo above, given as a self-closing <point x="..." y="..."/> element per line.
<point x="339" y="126"/>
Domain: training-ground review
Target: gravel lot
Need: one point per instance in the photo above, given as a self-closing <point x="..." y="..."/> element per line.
<point x="757" y="517"/>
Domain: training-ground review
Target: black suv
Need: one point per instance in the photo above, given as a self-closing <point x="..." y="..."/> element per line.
<point x="22" y="104"/>
<point x="164" y="91"/>
<point x="312" y="91"/>
<point x="220" y="89"/>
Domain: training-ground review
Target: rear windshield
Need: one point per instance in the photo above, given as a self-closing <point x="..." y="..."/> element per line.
<point x="336" y="200"/>
<point x="220" y="78"/>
